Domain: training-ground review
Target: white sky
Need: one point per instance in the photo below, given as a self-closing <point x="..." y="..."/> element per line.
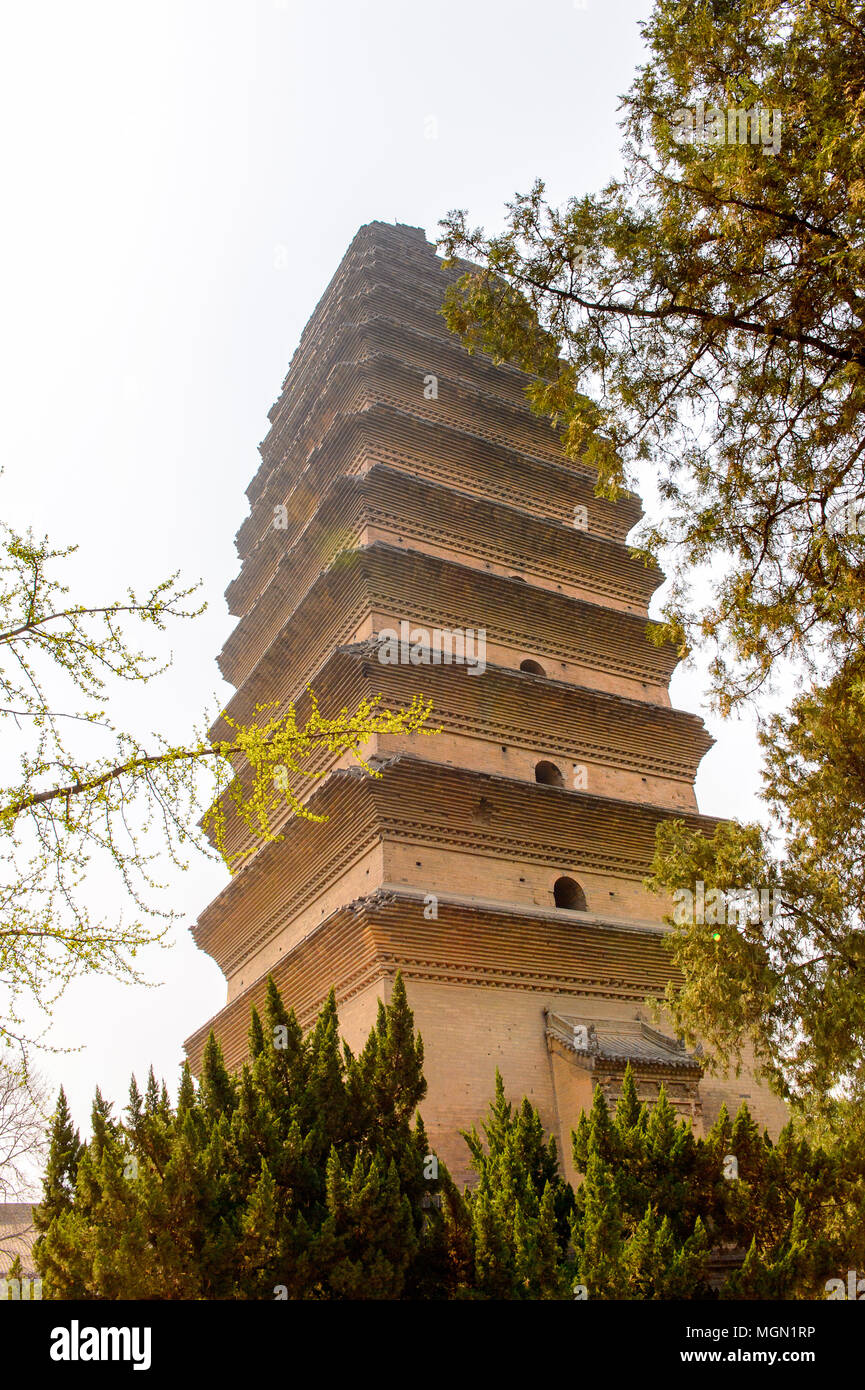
<point x="159" y="163"/>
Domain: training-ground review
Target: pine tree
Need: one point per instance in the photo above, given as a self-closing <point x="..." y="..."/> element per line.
<point x="521" y="1207"/>
<point x="638" y="1223"/>
<point x="598" y="1233"/>
<point x="58" y="1195"/>
<point x="304" y="1174"/>
<point x="64" y="1151"/>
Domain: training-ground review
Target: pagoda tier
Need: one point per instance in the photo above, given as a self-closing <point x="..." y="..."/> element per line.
<point x="407" y="487"/>
<point x="376" y="588"/>
<point x="440" y="454"/>
<point x="397" y="509"/>
<point x="491" y="986"/>
<point x="374" y="283"/>
<point x="474" y="943"/>
<point x="385" y="379"/>
<point x="508" y="722"/>
<point x="414" y="347"/>
<point x="435" y="827"/>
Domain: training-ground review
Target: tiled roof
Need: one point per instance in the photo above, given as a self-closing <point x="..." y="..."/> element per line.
<point x="620" y="1040"/>
<point x="17" y="1234"/>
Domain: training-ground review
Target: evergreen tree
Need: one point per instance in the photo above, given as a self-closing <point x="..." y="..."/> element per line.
<point x="656" y="1202"/>
<point x="304" y="1175"/>
<point x="598" y="1232"/>
<point x="520" y="1209"/>
<point x="58" y="1195"/>
<point x="61" y="1168"/>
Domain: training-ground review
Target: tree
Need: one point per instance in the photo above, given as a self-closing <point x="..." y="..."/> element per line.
<point x="656" y="1202"/>
<point x="301" y="1177"/>
<point x="22" y="1144"/>
<point x="599" y="1233"/>
<point x="22" y="1131"/>
<point x="88" y="793"/>
<point x="698" y="326"/>
<point x="58" y="1190"/>
<point x="521" y="1206"/>
<point x="792" y="979"/>
<point x="640" y="1220"/>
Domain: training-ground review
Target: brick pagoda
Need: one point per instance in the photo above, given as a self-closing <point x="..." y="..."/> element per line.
<point x="498" y="865"/>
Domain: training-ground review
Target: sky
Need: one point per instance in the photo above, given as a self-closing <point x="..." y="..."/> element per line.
<point x="180" y="180"/>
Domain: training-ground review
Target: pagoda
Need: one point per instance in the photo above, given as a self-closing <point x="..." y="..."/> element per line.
<point x="415" y="529"/>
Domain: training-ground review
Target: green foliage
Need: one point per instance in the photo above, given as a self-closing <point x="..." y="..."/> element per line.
<point x="656" y="1202"/>
<point x="89" y="794"/>
<point x="24" y="1289"/>
<point x="704" y="313"/>
<point x="58" y="1197"/>
<point x="520" y="1207"/>
<point x="790" y="980"/>
<point x="310" y="1175"/>
<point x="303" y="1174"/>
<point x="639" y="1225"/>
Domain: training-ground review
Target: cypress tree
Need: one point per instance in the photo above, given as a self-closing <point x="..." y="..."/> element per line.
<point x="310" y="1173"/>
<point x="598" y="1233"/>
<point x="58" y="1195"/>
<point x="256" y="1035"/>
<point x="61" y="1169"/>
<point x="520" y="1211"/>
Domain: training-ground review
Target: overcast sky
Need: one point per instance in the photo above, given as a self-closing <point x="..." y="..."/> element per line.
<point x="180" y="180"/>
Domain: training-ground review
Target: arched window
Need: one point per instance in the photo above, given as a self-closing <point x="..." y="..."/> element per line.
<point x="549" y="774"/>
<point x="568" y="893"/>
<point x="534" y="668"/>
